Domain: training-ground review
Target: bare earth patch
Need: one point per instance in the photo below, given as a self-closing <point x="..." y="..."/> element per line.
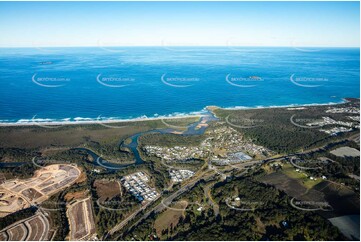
<point x="76" y="195"/>
<point x="345" y="151"/>
<point x="107" y="189"/>
<point x="81" y="220"/>
<point x="17" y="194"/>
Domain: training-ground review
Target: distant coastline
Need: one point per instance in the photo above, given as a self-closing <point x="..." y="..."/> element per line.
<point x="93" y="121"/>
<point x="104" y="121"/>
<point x="344" y="100"/>
<point x="87" y="86"/>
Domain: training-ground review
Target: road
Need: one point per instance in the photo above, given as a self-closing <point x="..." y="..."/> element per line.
<point x="168" y="200"/>
<point x="25" y="223"/>
<point x="207" y="193"/>
<point x="130" y="217"/>
<point x="157" y="208"/>
<point x="205" y="176"/>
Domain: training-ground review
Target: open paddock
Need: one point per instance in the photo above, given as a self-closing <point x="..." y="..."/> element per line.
<point x="107" y="190"/>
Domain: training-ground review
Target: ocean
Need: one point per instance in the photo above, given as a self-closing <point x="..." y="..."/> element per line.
<point x="84" y="84"/>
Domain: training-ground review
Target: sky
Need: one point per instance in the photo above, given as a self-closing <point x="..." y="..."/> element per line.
<point x="44" y="24"/>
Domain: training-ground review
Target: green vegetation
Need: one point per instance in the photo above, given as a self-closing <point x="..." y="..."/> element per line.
<point x="75" y="156"/>
<point x="119" y="208"/>
<point x="170" y="140"/>
<point x="21" y="143"/>
<point x="57" y="209"/>
<point x="334" y="167"/>
<point x="111" y="151"/>
<point x="291" y="172"/>
<point x="275" y="130"/>
<point x="17" y="154"/>
<point x="23" y="171"/>
<point x="344" y="165"/>
<point x="265" y="222"/>
<point x="17" y="216"/>
<point x="272" y="218"/>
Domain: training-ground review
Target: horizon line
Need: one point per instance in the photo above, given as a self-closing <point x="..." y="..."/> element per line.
<point x="175" y="46"/>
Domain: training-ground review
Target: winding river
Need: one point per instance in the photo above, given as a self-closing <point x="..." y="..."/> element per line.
<point x="197" y="128"/>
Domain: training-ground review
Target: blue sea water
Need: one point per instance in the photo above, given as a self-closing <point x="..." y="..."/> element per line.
<point x="73" y="84"/>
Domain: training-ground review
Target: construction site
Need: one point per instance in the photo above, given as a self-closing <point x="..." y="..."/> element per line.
<point x="18" y="194"/>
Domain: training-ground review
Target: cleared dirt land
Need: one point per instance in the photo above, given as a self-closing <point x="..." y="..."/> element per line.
<point x="18" y="194"/>
<point x="107" y="189"/>
<point x="78" y="195"/>
<point x="295" y="184"/>
<point x="342" y="200"/>
<point x="293" y="187"/>
<point x="35" y="228"/>
<point x="81" y="220"/>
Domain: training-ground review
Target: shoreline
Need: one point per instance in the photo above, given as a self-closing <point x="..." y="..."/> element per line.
<point x="344" y="100"/>
<point x="202" y="113"/>
<point x="95" y="121"/>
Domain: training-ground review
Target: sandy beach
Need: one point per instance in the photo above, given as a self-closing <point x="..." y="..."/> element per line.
<point x="94" y="121"/>
<point x="82" y="121"/>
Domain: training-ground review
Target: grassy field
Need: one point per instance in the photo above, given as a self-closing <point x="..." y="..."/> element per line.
<point x="295" y="184"/>
<point x="301" y="176"/>
<point x="170" y="218"/>
<point x="107" y="189"/>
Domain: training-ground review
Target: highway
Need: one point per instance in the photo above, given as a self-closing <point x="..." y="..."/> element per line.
<point x="204" y="175"/>
<point x="157" y="208"/>
<point x="168" y="200"/>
